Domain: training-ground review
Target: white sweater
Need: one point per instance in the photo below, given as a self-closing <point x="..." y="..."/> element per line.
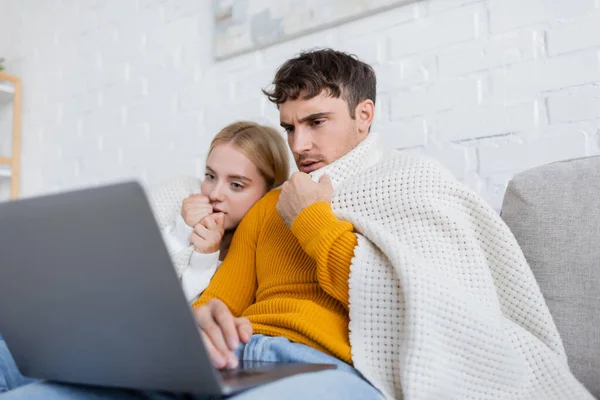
<point x="194" y="269"/>
<point x="201" y="268"/>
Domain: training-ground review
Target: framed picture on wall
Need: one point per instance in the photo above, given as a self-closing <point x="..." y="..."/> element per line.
<point x="245" y="25"/>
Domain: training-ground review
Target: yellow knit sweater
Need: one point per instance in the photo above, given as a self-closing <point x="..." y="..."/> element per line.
<point x="290" y="282"/>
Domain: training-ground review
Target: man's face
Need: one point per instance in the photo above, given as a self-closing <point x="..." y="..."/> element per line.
<point x="320" y="130"/>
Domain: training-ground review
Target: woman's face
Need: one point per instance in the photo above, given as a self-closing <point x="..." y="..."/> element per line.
<point x="232" y="183"/>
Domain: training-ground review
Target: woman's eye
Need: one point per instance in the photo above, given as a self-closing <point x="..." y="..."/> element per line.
<point x="237" y="186"/>
<point x="210" y="177"/>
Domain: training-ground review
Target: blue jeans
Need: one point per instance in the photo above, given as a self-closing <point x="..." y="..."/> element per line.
<point x="10" y="377"/>
<point x="343" y="383"/>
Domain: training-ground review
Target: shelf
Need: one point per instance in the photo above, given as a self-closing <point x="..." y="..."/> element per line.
<point x="11" y="91"/>
<point x="7" y="92"/>
<point x="5" y="171"/>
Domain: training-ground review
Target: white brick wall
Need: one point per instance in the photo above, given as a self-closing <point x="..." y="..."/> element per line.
<point x="123" y="88"/>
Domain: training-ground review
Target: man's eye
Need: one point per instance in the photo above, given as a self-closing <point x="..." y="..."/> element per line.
<point x="317" y="122"/>
<point x="289" y="129"/>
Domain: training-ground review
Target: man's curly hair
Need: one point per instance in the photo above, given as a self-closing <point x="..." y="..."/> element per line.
<point x="337" y="73"/>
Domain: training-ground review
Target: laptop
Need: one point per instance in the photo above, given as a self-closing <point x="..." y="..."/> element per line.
<point x="88" y="295"/>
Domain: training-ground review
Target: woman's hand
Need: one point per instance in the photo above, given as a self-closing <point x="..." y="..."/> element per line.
<point x="208" y="234"/>
<point x="195" y="208"/>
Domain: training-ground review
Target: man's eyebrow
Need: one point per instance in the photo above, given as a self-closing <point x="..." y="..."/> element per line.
<point x="307" y="118"/>
<point x="315" y="116"/>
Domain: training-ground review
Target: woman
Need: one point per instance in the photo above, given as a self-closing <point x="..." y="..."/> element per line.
<point x="245" y="161"/>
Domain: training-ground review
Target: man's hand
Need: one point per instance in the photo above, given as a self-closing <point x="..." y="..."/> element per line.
<point x="221" y="332"/>
<point x="300" y="192"/>
<point x="208" y="234"/>
<point x="195" y="208"/>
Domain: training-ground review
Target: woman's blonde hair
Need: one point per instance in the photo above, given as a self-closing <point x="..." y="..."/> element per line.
<point x="262" y="145"/>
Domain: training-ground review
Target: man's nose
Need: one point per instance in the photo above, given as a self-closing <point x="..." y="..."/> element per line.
<point x="302" y="141"/>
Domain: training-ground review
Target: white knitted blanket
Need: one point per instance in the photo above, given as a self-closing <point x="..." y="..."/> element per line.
<point x="442" y="301"/>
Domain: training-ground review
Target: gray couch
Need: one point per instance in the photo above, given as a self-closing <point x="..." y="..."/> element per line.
<point x="554" y="212"/>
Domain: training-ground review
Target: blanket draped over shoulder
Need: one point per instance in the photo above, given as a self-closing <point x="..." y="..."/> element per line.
<point x="442" y="301"/>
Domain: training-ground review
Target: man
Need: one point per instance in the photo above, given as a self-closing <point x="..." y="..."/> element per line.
<point x="379" y="262"/>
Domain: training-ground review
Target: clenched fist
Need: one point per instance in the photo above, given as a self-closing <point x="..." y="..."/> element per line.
<point x="208" y="234"/>
<point x="195" y="208"/>
<point x="300" y="192"/>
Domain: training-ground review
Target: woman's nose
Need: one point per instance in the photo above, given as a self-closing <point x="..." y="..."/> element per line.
<point x="217" y="193"/>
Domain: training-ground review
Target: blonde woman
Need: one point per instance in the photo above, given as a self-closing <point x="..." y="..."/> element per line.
<point x="245" y="161"/>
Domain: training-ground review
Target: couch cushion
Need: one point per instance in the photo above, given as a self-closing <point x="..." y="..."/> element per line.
<point x="554" y="212"/>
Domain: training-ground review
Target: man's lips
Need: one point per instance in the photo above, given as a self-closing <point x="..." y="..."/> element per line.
<point x="310" y="166"/>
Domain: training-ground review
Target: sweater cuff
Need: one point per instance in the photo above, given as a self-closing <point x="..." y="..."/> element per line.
<point x="314" y="223"/>
<point x="176" y="236"/>
<point x="182" y="232"/>
<point x="202" y="261"/>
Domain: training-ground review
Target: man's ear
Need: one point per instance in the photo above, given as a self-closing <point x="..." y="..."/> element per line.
<point x="364" y="113"/>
